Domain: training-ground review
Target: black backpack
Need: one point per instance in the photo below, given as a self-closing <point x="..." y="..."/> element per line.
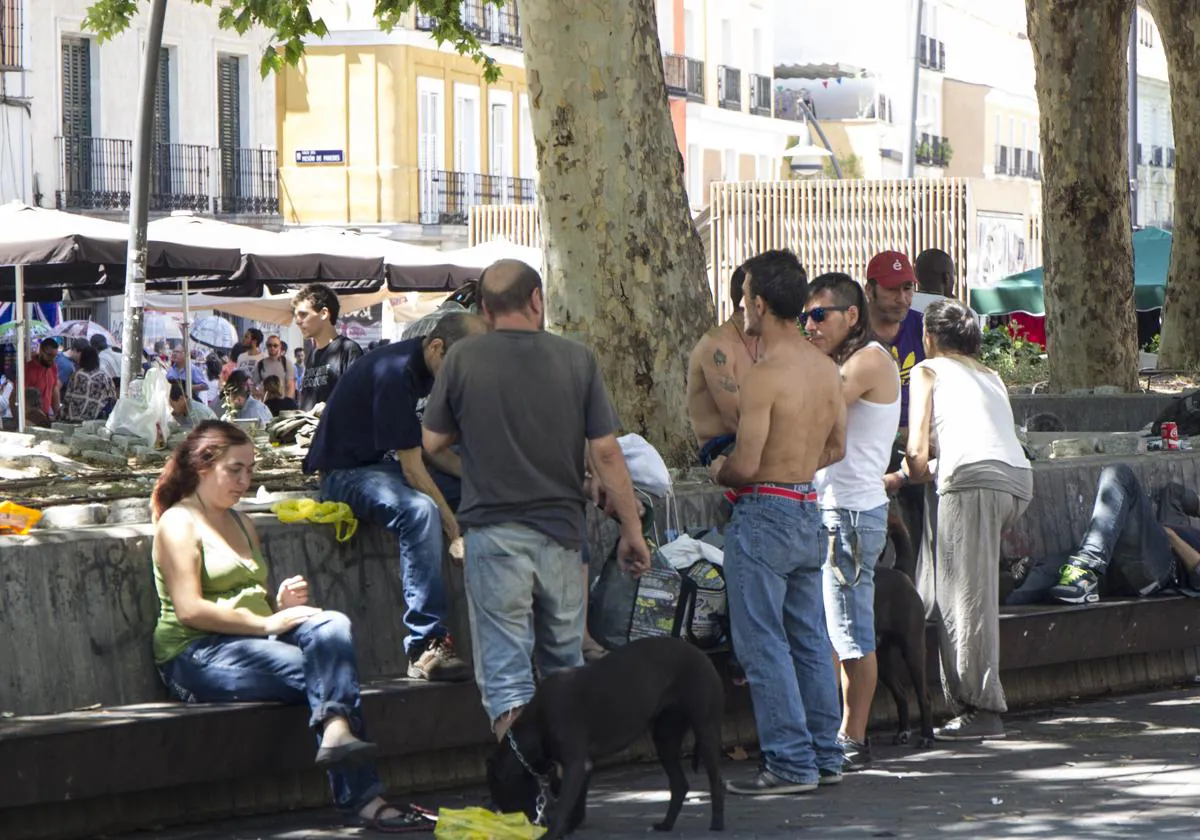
<point x="1185" y="411"/>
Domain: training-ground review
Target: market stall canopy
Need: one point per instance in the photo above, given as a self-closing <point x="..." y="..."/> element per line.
<point x="65" y="251"/>
<point x="1024" y="292"/>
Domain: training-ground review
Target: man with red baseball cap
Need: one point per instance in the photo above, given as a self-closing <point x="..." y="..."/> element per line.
<point x="890" y="286"/>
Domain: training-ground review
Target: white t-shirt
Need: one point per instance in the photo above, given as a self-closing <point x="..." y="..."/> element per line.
<point x="249" y="363"/>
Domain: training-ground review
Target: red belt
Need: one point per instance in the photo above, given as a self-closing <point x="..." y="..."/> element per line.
<point x="770" y="490"/>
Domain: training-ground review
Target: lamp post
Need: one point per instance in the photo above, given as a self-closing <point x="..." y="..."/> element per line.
<point x="139" y="198"/>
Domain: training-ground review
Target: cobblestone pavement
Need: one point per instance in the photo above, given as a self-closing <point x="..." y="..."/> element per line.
<point x="1126" y="767"/>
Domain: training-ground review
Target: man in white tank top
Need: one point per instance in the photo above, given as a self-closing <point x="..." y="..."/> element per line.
<point x="853" y="500"/>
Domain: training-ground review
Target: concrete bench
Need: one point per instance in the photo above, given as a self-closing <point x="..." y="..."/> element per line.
<point x="1097" y="413"/>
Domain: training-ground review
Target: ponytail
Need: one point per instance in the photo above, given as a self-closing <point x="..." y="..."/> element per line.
<point x="198" y="452"/>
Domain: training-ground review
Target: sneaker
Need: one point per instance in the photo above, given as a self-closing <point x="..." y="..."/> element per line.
<point x="439" y="663"/>
<point x="767" y="783"/>
<point x="829" y="777"/>
<point x="1076" y="585"/>
<point x="857" y="755"/>
<point x="972" y="725"/>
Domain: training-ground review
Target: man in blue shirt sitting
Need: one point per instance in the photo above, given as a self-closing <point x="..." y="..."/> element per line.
<point x="367" y="449"/>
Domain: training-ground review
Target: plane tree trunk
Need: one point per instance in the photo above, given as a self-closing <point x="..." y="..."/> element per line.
<point x="1087" y="250"/>
<point x="625" y="267"/>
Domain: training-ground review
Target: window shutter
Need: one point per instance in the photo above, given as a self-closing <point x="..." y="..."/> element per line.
<point x="229" y="122"/>
<point x="162" y="98"/>
<point x="76" y="87"/>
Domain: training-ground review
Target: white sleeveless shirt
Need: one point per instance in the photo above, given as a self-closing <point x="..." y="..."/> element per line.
<point x="856" y="481"/>
<point x="972" y="418"/>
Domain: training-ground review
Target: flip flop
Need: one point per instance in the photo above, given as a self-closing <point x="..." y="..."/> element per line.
<point x="346" y="755"/>
<point x="409" y="820"/>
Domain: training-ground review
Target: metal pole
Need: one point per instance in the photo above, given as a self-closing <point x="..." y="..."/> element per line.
<point x="187" y="348"/>
<point x="812" y="121"/>
<point x="1133" y="119"/>
<point x="139" y="196"/>
<point x="910" y="154"/>
<point x="19" y="305"/>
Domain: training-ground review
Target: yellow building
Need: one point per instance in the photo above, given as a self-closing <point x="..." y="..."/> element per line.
<point x="390" y="129"/>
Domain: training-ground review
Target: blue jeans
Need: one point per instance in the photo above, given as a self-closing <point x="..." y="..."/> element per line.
<point x="1125" y="538"/>
<point x="855" y="540"/>
<point x="313" y="663"/>
<point x="526" y="598"/>
<point x="773" y="556"/>
<point x="380" y="494"/>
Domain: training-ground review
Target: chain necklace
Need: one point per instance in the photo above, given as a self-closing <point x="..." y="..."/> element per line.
<point x="753" y="352"/>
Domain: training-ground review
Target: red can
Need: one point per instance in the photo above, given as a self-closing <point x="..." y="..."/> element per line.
<point x="1170" y="435"/>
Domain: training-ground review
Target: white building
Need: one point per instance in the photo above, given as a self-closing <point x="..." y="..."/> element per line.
<point x="1156" y="139"/>
<point x="719" y="58"/>
<point x="69" y="111"/>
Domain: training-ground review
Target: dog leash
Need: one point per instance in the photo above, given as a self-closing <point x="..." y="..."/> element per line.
<point x="543" y="797"/>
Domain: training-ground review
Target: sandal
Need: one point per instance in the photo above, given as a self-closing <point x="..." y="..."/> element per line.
<point x="409" y="819"/>
<point x="345" y="755"/>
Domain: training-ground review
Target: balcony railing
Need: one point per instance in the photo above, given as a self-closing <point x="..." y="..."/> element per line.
<point x="932" y="53"/>
<point x="490" y="24"/>
<point x="1156" y="156"/>
<point x="96" y="173"/>
<point x="1001" y="160"/>
<point x="1170" y="157"/>
<point x="10" y="35"/>
<point x="760" y="94"/>
<point x="685" y="76"/>
<point x="933" y="150"/>
<point x="446" y="197"/>
<point x="729" y="87"/>
<point x="249" y="182"/>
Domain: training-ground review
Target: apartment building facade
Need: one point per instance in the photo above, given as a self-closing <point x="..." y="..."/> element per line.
<point x="391" y="130"/>
<point x="70" y="108"/>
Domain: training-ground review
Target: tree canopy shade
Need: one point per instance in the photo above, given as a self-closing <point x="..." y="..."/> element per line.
<point x="291" y="22"/>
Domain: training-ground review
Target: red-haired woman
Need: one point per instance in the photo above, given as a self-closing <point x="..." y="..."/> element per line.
<point x="219" y="638"/>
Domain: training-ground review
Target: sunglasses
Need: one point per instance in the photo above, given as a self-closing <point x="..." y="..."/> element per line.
<point x="272" y="346"/>
<point x="817" y="313"/>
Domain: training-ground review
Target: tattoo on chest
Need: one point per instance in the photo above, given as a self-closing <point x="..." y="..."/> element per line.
<point x="719" y="358"/>
<point x="728" y="383"/>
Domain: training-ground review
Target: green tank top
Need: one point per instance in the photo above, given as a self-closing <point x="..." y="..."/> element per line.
<point x="225" y="579"/>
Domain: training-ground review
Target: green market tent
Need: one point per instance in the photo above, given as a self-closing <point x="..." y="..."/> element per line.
<point x="1023" y="292"/>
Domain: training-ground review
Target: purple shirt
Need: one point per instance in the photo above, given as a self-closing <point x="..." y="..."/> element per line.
<point x="908" y="350"/>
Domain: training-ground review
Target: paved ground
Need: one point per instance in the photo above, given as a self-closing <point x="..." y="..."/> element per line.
<point x="1122" y="768"/>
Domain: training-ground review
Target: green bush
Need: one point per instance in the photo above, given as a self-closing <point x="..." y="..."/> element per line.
<point x="1019" y="362"/>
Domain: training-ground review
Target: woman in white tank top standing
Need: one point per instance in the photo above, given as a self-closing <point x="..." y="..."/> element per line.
<point x="854" y="502"/>
<point x="961" y="436"/>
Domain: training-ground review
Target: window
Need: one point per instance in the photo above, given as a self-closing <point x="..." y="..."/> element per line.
<point x="76" y="87"/>
<point x="162" y="98"/>
<point x="431" y="131"/>
<point x="466" y="128"/>
<point x="10" y="35"/>
<point x="500" y="159"/>
<point x="695" y="170"/>
<point x="528" y="151"/>
<point x="229" y="122"/>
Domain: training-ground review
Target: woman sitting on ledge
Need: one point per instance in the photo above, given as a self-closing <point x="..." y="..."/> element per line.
<point x="220" y="639"/>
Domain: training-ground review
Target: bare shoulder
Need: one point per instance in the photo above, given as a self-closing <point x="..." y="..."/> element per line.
<point x="176" y="528"/>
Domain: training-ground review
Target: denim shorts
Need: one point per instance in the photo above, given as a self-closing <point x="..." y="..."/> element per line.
<point x="855" y="541"/>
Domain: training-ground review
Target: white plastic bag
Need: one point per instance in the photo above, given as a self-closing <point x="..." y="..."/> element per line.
<point x="646" y="467"/>
<point x="145" y="414"/>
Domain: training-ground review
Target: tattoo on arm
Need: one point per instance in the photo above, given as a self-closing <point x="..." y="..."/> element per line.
<point x="719" y="358"/>
<point x="729" y="384"/>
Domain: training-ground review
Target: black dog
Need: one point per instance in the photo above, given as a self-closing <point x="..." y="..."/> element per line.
<point x="584" y="714"/>
<point x="900" y="634"/>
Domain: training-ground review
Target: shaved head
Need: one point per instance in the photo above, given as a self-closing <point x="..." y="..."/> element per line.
<point x="506" y="286"/>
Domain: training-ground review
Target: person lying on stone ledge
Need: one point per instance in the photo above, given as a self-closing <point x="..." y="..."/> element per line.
<point x="1133" y="545"/>
<point x="221" y="639"/>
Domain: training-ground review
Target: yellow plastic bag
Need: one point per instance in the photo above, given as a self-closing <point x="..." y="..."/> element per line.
<point x="17" y="519"/>
<point x="337" y="514"/>
<point x="482" y="824"/>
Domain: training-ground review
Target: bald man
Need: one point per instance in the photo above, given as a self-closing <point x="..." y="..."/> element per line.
<point x="525" y="405"/>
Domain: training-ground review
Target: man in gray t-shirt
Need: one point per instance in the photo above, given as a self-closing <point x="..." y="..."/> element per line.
<point x="526" y="406"/>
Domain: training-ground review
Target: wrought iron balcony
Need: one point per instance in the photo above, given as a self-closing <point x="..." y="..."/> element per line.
<point x="96" y="173"/>
<point x="1001" y="160"/>
<point x="932" y="54"/>
<point x="249" y="182"/>
<point x="760" y="94"/>
<point x="685" y="76"/>
<point x="446" y="197"/>
<point x="490" y="24"/>
<point x="729" y="87"/>
<point x="1157" y="158"/>
<point x="934" y="150"/>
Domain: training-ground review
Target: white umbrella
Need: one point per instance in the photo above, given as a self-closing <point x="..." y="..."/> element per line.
<point x="158" y="326"/>
<point x="214" y="331"/>
<point x="85" y="329"/>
